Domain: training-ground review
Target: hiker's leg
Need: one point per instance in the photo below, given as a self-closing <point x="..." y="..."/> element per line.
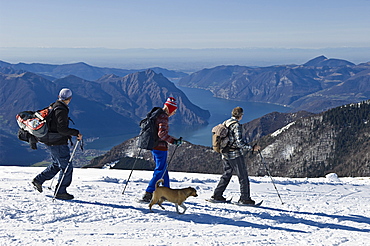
<point x="242" y="173"/>
<point x="50" y="171"/>
<point x="160" y="171"/>
<point x="225" y="179"/>
<point x="61" y="153"/>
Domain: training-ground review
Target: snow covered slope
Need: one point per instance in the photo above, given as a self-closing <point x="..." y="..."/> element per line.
<point x="320" y="211"/>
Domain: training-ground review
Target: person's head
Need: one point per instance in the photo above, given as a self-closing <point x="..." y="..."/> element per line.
<point x="65" y="95"/>
<point x="237" y="113"/>
<point x="170" y="106"/>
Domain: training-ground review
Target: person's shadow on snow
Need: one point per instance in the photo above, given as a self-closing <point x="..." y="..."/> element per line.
<point x="283" y="218"/>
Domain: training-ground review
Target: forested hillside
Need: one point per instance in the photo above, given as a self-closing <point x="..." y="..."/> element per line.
<point x="337" y="140"/>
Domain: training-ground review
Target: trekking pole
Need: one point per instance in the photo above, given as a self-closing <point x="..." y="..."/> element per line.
<point x="132" y="169"/>
<point x="168" y="163"/>
<point x="51" y="184"/>
<point x="268" y="172"/>
<point x="52" y="181"/>
<point x="65" y="170"/>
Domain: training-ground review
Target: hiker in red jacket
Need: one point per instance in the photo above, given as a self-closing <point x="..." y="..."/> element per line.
<point x="160" y="151"/>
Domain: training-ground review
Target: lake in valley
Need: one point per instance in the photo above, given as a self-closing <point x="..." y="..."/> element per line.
<point x="220" y="110"/>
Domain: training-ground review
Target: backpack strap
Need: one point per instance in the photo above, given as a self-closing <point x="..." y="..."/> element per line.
<point x="228" y="124"/>
<point x="155" y="112"/>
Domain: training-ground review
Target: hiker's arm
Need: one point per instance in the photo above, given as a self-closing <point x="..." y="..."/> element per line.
<point x="239" y="142"/>
<point x="62" y="124"/>
<point x="163" y="131"/>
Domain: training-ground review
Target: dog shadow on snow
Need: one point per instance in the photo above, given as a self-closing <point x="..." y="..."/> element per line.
<point x="284" y="217"/>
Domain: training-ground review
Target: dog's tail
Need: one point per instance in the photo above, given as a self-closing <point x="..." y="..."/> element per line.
<point x="158" y="182"/>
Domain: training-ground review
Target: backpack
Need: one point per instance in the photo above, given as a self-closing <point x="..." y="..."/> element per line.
<point x="34" y="122"/>
<point x="34" y="127"/>
<point x="148" y="137"/>
<point x="220" y="137"/>
<point x="27" y="137"/>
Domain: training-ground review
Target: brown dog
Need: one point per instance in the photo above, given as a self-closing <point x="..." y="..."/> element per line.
<point x="177" y="196"/>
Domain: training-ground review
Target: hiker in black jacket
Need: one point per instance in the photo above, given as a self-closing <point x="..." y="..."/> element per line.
<point x="59" y="133"/>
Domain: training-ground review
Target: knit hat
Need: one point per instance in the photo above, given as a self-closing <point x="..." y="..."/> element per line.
<point x="171" y="104"/>
<point x="65" y="94"/>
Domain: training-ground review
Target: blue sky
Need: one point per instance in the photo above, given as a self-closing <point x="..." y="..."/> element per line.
<point x="194" y="24"/>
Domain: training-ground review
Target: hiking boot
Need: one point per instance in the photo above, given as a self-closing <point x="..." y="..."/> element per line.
<point x="246" y="201"/>
<point x="219" y="198"/>
<point x="64" y="196"/>
<point x="147" y="197"/>
<point x="37" y="185"/>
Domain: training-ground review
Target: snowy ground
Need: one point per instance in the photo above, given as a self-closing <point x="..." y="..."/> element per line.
<point x="322" y="211"/>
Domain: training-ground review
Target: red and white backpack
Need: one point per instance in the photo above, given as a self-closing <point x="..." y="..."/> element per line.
<point x="35" y="122"/>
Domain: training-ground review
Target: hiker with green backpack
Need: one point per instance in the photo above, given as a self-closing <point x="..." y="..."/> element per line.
<point x="231" y="146"/>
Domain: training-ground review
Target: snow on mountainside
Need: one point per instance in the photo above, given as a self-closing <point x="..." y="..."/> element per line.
<point x="317" y="211"/>
<point x="293" y="145"/>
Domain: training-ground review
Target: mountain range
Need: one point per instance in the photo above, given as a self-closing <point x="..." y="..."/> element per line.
<point x="316" y="86"/>
<point x="109" y="106"/>
<point x="304" y="145"/>
<point x="82" y="70"/>
<point x="108" y="103"/>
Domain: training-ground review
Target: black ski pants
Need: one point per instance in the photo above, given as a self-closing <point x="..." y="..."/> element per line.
<point x="237" y="165"/>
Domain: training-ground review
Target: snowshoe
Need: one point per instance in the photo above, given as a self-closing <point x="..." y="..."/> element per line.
<point x="218" y="201"/>
<point x="248" y="204"/>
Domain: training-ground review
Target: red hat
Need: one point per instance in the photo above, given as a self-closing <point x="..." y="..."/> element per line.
<point x="171" y="104"/>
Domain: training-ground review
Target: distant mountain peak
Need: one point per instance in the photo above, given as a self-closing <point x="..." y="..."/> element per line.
<point x="108" y="76"/>
<point x="150" y="72"/>
<point x="77" y="64"/>
<point x="316" y="61"/>
<point x="27" y="75"/>
<point x="322" y="61"/>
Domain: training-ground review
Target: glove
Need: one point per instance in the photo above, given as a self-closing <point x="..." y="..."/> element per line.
<point x="178" y="142"/>
<point x="256" y="148"/>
